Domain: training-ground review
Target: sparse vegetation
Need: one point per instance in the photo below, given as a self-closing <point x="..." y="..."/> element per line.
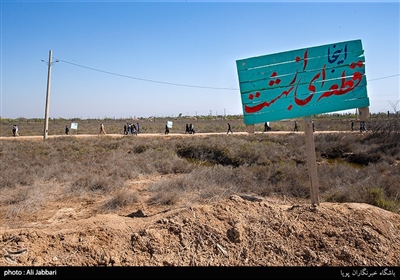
<point x="352" y="167"/>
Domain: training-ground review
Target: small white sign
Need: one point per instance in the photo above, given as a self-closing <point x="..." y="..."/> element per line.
<point x="74" y="125"/>
<point x="169" y="124"/>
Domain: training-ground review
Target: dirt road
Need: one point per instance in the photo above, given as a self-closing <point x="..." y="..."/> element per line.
<point x="40" y="137"/>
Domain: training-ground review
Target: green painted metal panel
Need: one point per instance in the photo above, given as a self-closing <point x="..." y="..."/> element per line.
<point x="286" y="69"/>
<point x="306" y="111"/>
<point x="313" y="92"/>
<point x="332" y="51"/>
<point x="294" y="102"/>
<point x="304" y="77"/>
<point x="303" y="82"/>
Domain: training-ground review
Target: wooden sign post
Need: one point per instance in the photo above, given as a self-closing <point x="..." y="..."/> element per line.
<point x="311" y="161"/>
<point x="302" y="83"/>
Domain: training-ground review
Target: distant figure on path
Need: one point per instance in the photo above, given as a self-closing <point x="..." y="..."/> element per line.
<point x="266" y="127"/>
<point x="134" y="130"/>
<point x="102" y="129"/>
<point x="187" y="130"/>
<point x="166" y="129"/>
<point x="363" y="127"/>
<point x="295" y="126"/>
<point x="126" y="129"/>
<point x="229" y="129"/>
<point x="66" y="129"/>
<point x="352" y="126"/>
<point x="138" y="128"/>
<point x="15" y="130"/>
<point x="130" y="128"/>
<point x="191" y="129"/>
<point x="313" y="127"/>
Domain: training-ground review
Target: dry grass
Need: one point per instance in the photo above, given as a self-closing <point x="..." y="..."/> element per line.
<point x="352" y="167"/>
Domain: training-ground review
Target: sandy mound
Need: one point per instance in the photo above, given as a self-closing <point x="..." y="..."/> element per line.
<point x="239" y="231"/>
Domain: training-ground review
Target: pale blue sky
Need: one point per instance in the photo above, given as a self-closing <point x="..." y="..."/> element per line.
<point x="161" y="58"/>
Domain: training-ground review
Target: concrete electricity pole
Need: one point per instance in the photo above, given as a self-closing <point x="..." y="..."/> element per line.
<point x="46" y="117"/>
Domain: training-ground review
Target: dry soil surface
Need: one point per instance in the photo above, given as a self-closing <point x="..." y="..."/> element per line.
<point x="243" y="230"/>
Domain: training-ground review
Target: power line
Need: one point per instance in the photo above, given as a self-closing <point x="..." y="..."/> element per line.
<point x="146" y="80"/>
<point x="176" y="84"/>
<point x="384" y="77"/>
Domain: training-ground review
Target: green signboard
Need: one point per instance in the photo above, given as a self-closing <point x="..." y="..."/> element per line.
<point x="303" y="82"/>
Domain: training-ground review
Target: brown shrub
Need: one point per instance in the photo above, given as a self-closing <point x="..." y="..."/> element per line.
<point x="122" y="198"/>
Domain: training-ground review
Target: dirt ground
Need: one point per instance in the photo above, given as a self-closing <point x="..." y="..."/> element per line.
<point x="241" y="231"/>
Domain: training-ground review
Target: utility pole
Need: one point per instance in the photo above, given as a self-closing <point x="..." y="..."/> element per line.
<point x="46" y="117"/>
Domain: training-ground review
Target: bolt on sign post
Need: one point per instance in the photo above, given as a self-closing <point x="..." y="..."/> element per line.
<point x="302" y="83"/>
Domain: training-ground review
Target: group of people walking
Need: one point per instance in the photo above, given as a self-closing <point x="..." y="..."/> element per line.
<point x="131" y="128"/>
<point x="189" y="129"/>
<point x="363" y="127"/>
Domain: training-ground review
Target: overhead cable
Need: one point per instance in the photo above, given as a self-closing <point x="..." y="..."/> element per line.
<point x="177" y="84"/>
<point x="146" y="80"/>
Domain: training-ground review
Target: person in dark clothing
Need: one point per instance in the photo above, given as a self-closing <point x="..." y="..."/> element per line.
<point x="229" y="129"/>
<point x="266" y="127"/>
<point x="191" y="129"/>
<point x="295" y="126"/>
<point x="187" y="129"/>
<point x="138" y="128"/>
<point x="125" y="129"/>
<point x="15" y="130"/>
<point x="66" y="129"/>
<point x="352" y="126"/>
<point x="166" y="129"/>
<point x="362" y="127"/>
<point x="134" y="130"/>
